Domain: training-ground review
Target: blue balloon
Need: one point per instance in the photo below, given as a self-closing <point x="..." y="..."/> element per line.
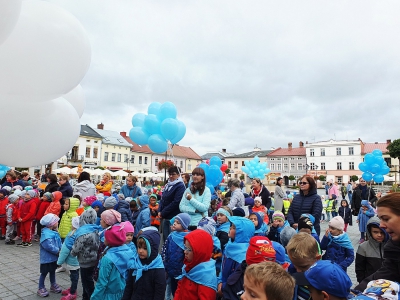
<point x="138" y="136"/>
<point x="157" y="143"/>
<point x="211" y="187"/>
<point x="367" y="176"/>
<point x="167" y="110"/>
<point x="363" y="166"/>
<point x="181" y="132"/>
<point x="369" y="158"/>
<point x="256" y="159"/>
<point x="378" y="178"/>
<point x="169" y="128"/>
<point x="214" y="175"/>
<point x="205" y="167"/>
<point x="376" y="152"/>
<point x="152" y="125"/>
<point x="245" y="169"/>
<point x="384" y="170"/>
<point x="215" y="161"/>
<point x="154" y="108"/>
<point x="375" y="168"/>
<point x="378" y="160"/>
<point x="138" y="120"/>
<point x="2" y="173"/>
<point x="222" y="188"/>
<point x="4" y="168"/>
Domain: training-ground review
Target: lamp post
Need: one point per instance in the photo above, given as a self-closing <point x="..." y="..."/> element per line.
<point x="68" y="155"/>
<point x="316" y="168"/>
<point x="306" y="166"/>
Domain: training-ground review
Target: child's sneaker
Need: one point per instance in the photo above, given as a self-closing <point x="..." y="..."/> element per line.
<point x="42" y="292"/>
<point x="69" y="297"/>
<point x="61" y="269"/>
<point x="10" y="242"/>
<point x="55" y="288"/>
<point x="65" y="292"/>
<point x="21" y="244"/>
<point x="27" y="245"/>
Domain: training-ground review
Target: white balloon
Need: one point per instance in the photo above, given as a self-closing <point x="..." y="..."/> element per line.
<point x="59" y="130"/>
<point x="47" y="54"/>
<point x="77" y="98"/>
<point x="9" y="13"/>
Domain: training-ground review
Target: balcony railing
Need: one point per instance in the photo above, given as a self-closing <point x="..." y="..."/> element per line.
<point x="78" y="158"/>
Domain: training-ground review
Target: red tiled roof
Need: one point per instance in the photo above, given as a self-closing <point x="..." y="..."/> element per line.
<point x="187" y="152"/>
<point x="300" y="151"/>
<point x="136" y="147"/>
<point x="369" y="147"/>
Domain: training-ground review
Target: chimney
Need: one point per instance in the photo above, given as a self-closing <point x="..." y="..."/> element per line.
<point x="388" y="141"/>
<point x="301" y="144"/>
<point x="223" y="150"/>
<point x="289" y="146"/>
<point x="123" y="133"/>
<point x="100" y="126"/>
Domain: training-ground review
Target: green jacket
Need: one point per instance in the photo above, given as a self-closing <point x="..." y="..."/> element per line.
<point x="66" y="220"/>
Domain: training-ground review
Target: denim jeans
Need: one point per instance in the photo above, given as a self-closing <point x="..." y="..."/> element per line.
<point x="87" y="282"/>
<point x="166" y="227"/>
<point x="74" y="277"/>
<point x="350" y="195"/>
<point x="43" y="277"/>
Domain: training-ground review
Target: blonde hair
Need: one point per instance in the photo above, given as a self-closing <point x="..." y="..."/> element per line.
<point x="302" y="246"/>
<point x="108" y="175"/>
<point x="64" y="177"/>
<point x="277" y="283"/>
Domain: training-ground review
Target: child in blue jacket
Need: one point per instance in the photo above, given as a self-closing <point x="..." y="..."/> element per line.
<point x="366" y="212"/>
<point x="240" y="233"/>
<point x="143" y="219"/>
<point x="70" y="262"/>
<point x="337" y="244"/>
<point x="50" y="245"/>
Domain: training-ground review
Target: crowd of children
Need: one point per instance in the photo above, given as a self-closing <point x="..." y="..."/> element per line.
<point x="113" y="245"/>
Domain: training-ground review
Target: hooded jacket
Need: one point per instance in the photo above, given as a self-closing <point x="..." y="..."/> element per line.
<point x="173" y="254"/>
<point x="171" y="197"/>
<point x="87" y="239"/>
<point x="27" y="210"/>
<point x="55" y="206"/>
<point x="152" y="283"/>
<point x="199" y="280"/>
<point x="370" y="254"/>
<point x="197" y="206"/>
<point x="235" y="251"/>
<point x="133" y="191"/>
<point x="345" y="212"/>
<point x="44" y="204"/>
<point x="357" y="197"/>
<point x="124" y="210"/>
<point x="261" y="228"/>
<point x="143" y="219"/>
<point x="66" y="190"/>
<point x="309" y="204"/>
<point x="338" y="250"/>
<point x="86" y="188"/>
<point x="66" y="220"/>
<point x="363" y="217"/>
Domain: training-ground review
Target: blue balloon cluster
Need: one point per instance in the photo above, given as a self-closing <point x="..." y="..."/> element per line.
<point x="3" y="170"/>
<point x="159" y="126"/>
<point x="374" y="166"/>
<point x="214" y="175"/>
<point x="253" y="168"/>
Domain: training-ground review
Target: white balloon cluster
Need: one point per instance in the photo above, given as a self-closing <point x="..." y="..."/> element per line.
<point x="44" y="54"/>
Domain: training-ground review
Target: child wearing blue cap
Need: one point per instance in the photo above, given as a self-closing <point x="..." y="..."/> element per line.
<point x="325" y="280"/>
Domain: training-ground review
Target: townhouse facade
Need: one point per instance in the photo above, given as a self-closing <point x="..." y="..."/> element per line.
<point x="140" y="156"/>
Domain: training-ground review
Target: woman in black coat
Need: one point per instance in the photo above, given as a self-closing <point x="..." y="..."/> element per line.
<point x="362" y="192"/>
<point x="306" y="202"/>
<point x="259" y="190"/>
<point x="52" y="185"/>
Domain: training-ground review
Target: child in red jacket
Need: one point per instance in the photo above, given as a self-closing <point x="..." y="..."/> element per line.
<point x="44" y="204"/>
<point x="199" y="279"/>
<point x="3" y="217"/>
<point x="25" y="218"/>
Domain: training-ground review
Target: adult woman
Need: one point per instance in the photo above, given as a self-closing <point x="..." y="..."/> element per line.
<point x="186" y="179"/>
<point x="105" y="185"/>
<point x="52" y="184"/>
<point x="361" y="192"/>
<point x="65" y="188"/>
<point x="196" y="198"/>
<point x="84" y="186"/>
<point x="171" y="196"/>
<point x="388" y="210"/>
<point x="12" y="180"/>
<point x="306" y="202"/>
<point x="26" y="178"/>
<point x="237" y="197"/>
<point x="258" y="189"/>
<point x="279" y="194"/>
<point x="130" y="189"/>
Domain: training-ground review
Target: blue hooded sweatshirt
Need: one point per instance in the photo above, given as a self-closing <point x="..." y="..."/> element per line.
<point x="235" y="251"/>
<point x="143" y="219"/>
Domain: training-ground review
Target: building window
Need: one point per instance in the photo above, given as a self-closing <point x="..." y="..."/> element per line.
<point x="322" y="151"/>
<point x="126" y="158"/>
<point x="95" y="142"/>
<point x="339" y="179"/>
<point x="292" y="158"/>
<point x="140" y="160"/>
<point x="272" y="158"/>
<point x="279" y="158"/>
<point x="119" y="158"/>
<point x="351" y="165"/>
<point x="87" y="141"/>
<point x="189" y="167"/>
<point x="279" y="167"/>
<point x="133" y="159"/>
<point x="323" y="166"/>
<point x="145" y="160"/>
<point x="285" y="158"/>
<point x="312" y="166"/>
<point x="229" y="164"/>
<point x="351" y="151"/>
<point x="339" y="165"/>
<point x="113" y="157"/>
<point x="95" y="152"/>
<point x="388" y="161"/>
<point x="105" y="156"/>
<point x="311" y="152"/>
<point x="181" y="164"/>
<point x="292" y="167"/>
<point x="338" y="151"/>
<point x="156" y="162"/>
<point x="87" y="151"/>
<point x="272" y="167"/>
<point x="285" y="167"/>
<point x="300" y="166"/>
<point x="236" y="165"/>
<point x="243" y="163"/>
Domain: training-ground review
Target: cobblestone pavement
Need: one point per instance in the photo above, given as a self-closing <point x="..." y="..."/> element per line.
<point x="19" y="270"/>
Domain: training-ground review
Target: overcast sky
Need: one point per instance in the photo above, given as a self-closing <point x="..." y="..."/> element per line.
<point x="246" y="73"/>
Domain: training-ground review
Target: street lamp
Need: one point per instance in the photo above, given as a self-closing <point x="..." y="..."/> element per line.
<point x="306" y="166"/>
<point x="315" y="168"/>
<point x="68" y="155"/>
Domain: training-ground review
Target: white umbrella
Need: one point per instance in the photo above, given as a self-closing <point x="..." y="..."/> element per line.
<point x="90" y="171"/>
<point x="135" y="173"/>
<point x="64" y="170"/>
<point x="119" y="173"/>
<point x="149" y="174"/>
<point x="98" y="172"/>
<point x="74" y="170"/>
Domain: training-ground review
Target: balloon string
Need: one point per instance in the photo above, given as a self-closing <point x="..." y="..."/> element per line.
<point x="172" y="156"/>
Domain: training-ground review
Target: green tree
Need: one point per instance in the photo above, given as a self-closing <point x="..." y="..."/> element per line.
<point x="322" y="177"/>
<point x="241" y="177"/>
<point x="227" y="171"/>
<point x="291" y="177"/>
<point x="394" y="149"/>
<point x="354" y="178"/>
